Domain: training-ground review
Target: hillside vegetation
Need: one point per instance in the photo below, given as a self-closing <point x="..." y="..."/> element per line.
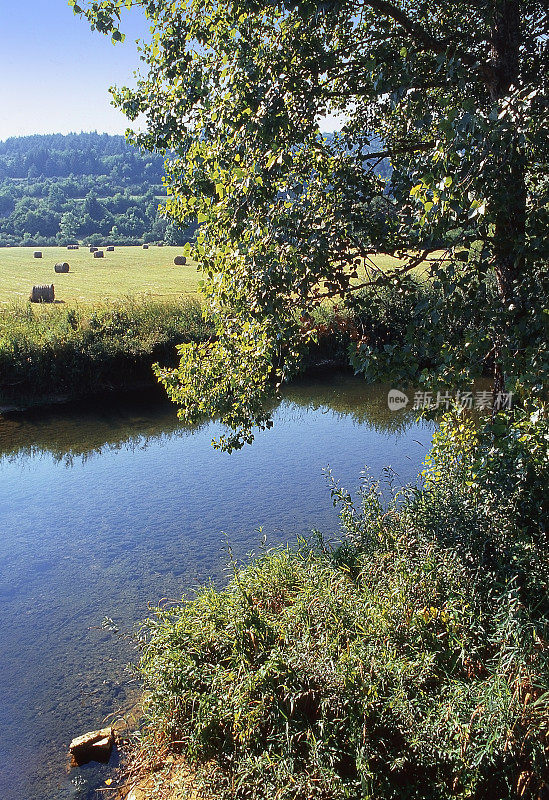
<point x="57" y="189"/>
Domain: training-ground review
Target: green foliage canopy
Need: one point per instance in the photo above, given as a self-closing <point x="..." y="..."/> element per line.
<point x="452" y="93"/>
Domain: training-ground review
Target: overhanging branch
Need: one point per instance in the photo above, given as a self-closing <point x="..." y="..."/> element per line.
<point x="417" y="31"/>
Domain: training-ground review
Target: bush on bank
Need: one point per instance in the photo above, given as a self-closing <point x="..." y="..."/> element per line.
<point x="395" y="327"/>
<point x="78" y="351"/>
<point x="409" y="661"/>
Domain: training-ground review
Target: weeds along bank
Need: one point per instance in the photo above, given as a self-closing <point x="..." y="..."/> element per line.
<point x="409" y="661"/>
<point x="47" y="352"/>
<point x="54" y="351"/>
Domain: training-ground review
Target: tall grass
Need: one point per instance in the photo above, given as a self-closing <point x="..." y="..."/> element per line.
<point x="410" y="661"/>
<point x="77" y="351"/>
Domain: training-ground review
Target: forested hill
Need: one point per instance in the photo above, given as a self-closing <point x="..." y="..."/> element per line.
<point x="58" y="156"/>
<point x="84" y="187"/>
<point x="90" y="187"/>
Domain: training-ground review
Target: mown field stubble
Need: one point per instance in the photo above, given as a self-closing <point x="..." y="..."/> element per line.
<point x="125" y="272"/>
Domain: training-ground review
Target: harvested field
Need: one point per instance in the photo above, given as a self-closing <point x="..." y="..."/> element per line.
<point x="128" y="271"/>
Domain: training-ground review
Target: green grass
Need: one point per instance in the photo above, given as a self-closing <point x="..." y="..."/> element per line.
<point x="406" y="662"/>
<point x="128" y="271"/>
<point x="71" y="351"/>
<point x="75" y="348"/>
<point x="388" y="263"/>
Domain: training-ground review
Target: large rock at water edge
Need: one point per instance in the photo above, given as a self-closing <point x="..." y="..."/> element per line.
<point x="93" y="746"/>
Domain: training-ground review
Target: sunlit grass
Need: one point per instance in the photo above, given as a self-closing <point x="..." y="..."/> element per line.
<point x="387" y="263"/>
<point x="73" y="350"/>
<point x="128" y="271"/>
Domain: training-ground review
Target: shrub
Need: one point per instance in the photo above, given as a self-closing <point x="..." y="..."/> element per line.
<point x="395" y="331"/>
<point x="407" y="661"/>
<point x="485" y="494"/>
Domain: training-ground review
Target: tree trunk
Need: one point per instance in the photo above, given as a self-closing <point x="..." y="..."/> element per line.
<point x="509" y="196"/>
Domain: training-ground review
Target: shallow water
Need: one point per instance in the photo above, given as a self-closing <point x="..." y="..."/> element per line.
<point x="107" y="508"/>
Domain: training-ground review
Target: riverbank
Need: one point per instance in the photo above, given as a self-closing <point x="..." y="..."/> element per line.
<point x="56" y="354"/>
<point x="110" y="504"/>
<point x="409" y="659"/>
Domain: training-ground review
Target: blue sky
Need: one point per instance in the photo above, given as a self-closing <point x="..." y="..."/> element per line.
<point x="56" y="71"/>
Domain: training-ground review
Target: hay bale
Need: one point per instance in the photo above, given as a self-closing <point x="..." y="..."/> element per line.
<point x="62" y="267"/>
<point x="180" y="261"/>
<point x="98" y="254"/>
<point x="110" y="249"/>
<point x="37" y="254"/>
<point x="42" y="293"/>
<point x="160" y="244"/>
<point x="72" y="247"/>
<point x="94" y="249"/>
<point x="145" y="247"/>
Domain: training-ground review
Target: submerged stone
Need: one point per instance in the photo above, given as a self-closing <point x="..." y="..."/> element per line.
<point x="93" y="746"/>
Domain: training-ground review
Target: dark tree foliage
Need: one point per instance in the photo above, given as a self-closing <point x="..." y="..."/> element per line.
<point x="457" y="93"/>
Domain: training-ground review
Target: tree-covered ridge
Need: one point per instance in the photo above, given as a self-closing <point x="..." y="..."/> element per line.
<point x="56" y="189"/>
<point x="59" y="156"/>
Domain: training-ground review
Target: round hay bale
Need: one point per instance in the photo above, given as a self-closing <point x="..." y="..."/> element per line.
<point x="72" y="247"/>
<point x="43" y="293"/>
<point x="110" y="249"/>
<point x="180" y="261"/>
<point x="37" y="254"/>
<point x="145" y="247"/>
<point x="62" y="267"/>
<point x="94" y="249"/>
<point x="160" y="244"/>
<point x="98" y="254"/>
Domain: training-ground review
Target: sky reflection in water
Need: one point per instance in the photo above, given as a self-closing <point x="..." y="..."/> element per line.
<point x="105" y="509"/>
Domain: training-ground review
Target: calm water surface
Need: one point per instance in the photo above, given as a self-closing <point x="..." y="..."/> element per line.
<point x="104" y="510"/>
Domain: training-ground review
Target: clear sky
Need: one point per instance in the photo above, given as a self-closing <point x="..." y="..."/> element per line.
<point x="56" y="71"/>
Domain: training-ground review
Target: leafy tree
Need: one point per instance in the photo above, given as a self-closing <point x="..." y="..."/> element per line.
<point x="93" y="207"/>
<point x="68" y="225"/>
<point x="290" y="218"/>
<point x="6" y="204"/>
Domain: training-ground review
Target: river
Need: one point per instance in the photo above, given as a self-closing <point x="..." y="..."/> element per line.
<point x="107" y="507"/>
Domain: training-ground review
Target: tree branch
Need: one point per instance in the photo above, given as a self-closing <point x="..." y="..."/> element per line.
<point x="382" y="278"/>
<point x="417" y="31"/>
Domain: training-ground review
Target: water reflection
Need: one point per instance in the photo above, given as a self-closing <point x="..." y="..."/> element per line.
<point x="353" y="398"/>
<point x="104" y="509"/>
<point x="92" y="427"/>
